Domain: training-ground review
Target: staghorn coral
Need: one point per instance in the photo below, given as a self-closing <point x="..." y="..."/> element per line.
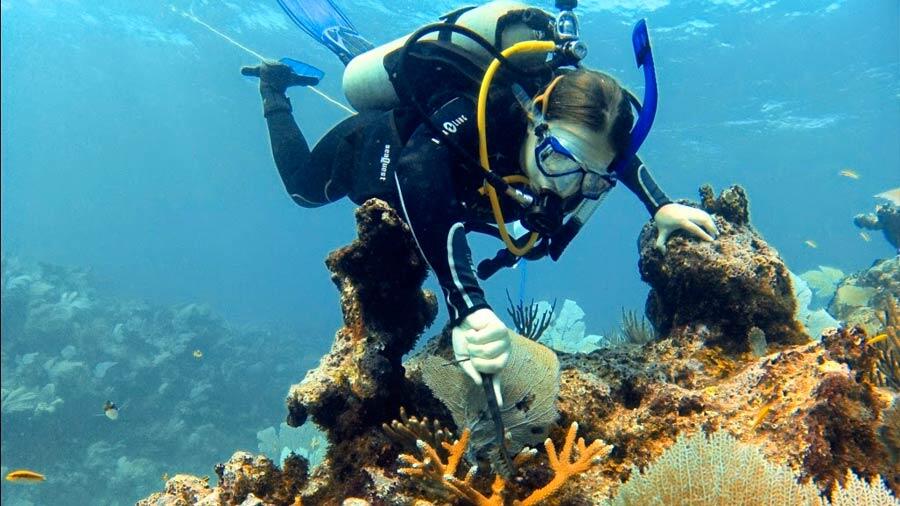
<point x="574" y="458"/>
<point x="407" y="431"/>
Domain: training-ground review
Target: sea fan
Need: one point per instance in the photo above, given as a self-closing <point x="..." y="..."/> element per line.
<point x="530" y="385"/>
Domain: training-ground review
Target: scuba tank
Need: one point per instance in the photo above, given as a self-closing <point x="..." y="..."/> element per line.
<point x="371" y="79"/>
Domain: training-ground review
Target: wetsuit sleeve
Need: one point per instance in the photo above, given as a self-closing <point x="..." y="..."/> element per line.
<point x="425" y="179"/>
<point x="308" y="176"/>
<point x="636" y="176"/>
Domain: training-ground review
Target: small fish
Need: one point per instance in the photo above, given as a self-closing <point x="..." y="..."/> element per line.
<point x="165" y="477"/>
<point x="25" y="476"/>
<point x="810" y="243"/>
<point x="864" y="236"/>
<point x="877" y="339"/>
<point x="892" y="196"/>
<point x="761" y="415"/>
<point x="197" y="354"/>
<point x="111" y="410"/>
<point x="849" y="173"/>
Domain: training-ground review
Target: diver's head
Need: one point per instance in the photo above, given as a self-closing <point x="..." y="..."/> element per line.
<point x="586" y="121"/>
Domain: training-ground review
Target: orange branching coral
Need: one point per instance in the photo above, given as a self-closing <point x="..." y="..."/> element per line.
<point x="409" y="429"/>
<point x="443" y="472"/>
<point x="562" y="465"/>
<point x="440" y="472"/>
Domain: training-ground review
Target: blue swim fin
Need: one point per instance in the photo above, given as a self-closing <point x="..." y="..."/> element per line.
<point x="325" y="22"/>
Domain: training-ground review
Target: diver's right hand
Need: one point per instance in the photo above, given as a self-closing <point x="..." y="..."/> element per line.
<point x="481" y="344"/>
<point x="277" y="76"/>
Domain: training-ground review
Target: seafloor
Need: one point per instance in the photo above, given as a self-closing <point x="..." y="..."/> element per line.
<point x="733" y="401"/>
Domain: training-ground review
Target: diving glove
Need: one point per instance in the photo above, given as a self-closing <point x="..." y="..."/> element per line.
<point x="481" y="345"/>
<point x="277" y="76"/>
<point x="672" y="217"/>
<point x="274" y="79"/>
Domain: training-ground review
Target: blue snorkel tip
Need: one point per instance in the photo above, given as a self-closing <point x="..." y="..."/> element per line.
<point x="640" y="39"/>
<point x="643" y="56"/>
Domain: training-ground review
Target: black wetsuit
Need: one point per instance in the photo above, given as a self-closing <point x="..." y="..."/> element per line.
<point x="395" y="157"/>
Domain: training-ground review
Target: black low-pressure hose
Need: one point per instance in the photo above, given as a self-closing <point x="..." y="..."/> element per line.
<point x="468" y="159"/>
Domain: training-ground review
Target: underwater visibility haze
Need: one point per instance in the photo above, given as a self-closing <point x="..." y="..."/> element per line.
<point x="161" y="292"/>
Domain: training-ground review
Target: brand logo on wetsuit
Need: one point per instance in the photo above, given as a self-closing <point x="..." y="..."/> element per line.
<point x="451" y="126"/>
<point x="385" y="161"/>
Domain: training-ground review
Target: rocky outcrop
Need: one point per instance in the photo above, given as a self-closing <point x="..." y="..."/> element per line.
<point x="360" y="383"/>
<point x="808" y="405"/>
<point x="728" y="286"/>
<point x="861" y="297"/>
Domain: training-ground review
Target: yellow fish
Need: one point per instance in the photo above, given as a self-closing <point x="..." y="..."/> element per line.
<point x="865" y="236"/>
<point x="812" y="244"/>
<point x="761" y="415"/>
<point x="25" y="476"/>
<point x="849" y="173"/>
<point x="197" y="354"/>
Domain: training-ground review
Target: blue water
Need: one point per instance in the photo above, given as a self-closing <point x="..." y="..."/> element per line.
<point x="132" y="146"/>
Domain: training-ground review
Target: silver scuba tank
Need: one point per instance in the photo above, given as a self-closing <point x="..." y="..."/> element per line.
<point x="368" y="86"/>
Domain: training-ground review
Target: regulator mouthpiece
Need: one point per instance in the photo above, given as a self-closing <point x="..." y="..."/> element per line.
<point x="545" y="216"/>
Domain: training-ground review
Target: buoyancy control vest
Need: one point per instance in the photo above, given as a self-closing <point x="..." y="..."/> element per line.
<point x="443" y="62"/>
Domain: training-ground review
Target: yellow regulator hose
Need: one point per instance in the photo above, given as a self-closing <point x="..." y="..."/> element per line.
<point x="530" y="46"/>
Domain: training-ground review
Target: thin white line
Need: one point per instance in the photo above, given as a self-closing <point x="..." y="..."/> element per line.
<point x="452" y="263"/>
<point x="416" y="239"/>
<point x="306" y="201"/>
<point x="643" y="186"/>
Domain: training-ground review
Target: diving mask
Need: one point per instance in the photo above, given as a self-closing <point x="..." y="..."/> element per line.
<point x="556" y="160"/>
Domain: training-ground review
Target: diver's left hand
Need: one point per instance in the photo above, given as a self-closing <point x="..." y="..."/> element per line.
<point x="672" y="217"/>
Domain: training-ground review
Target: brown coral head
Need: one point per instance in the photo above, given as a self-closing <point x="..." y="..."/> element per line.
<point x="732" y="204"/>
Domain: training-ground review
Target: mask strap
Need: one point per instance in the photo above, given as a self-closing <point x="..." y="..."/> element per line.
<point x="544" y="98"/>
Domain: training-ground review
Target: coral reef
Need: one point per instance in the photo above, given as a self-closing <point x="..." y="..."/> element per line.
<point x="716" y="470"/>
<point x="885" y="218"/>
<point x="811" y="406"/>
<point x="244" y="479"/>
<point x="861" y="297"/>
<point x="360" y="383"/>
<point x="730" y="285"/>
<point x="442" y="472"/>
<point x="67" y="349"/>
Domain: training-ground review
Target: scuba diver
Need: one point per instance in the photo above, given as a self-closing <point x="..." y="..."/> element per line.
<point x="454" y="147"/>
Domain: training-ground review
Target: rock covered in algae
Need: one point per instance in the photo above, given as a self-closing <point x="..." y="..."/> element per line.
<point x="804" y="406"/>
<point x="360" y="384"/>
<point x="885" y="218"/>
<point x="730" y="285"/>
<point x="859" y="296"/>
<point x="245" y="480"/>
<point x="385" y="310"/>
